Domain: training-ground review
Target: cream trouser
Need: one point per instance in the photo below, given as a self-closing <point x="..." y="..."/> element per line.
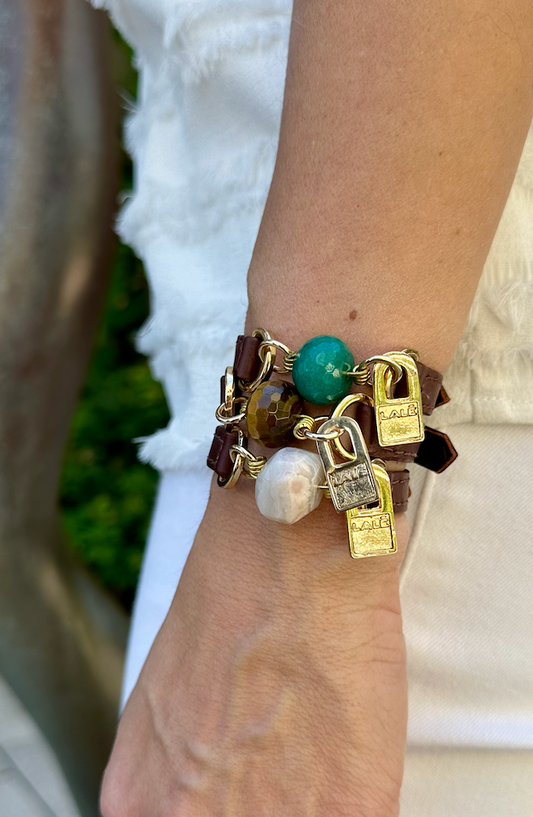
<point x="468" y="618"/>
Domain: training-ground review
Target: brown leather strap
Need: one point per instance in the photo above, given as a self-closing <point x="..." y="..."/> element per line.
<point x="443" y="397"/>
<point x="436" y="451"/>
<point x="400" y="491"/>
<point x="219" y="459"/>
<point x="247" y="364"/>
<point x="247" y="361"/>
<point x="399" y="481"/>
<point x="433" y="392"/>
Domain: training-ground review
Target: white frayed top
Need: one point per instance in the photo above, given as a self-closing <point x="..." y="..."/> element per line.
<point x="203" y="138"/>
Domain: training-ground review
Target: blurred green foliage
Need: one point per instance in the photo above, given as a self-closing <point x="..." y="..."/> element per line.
<point x="106" y="493"/>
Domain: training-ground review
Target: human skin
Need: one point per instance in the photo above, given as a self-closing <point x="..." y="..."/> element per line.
<point x="277" y="684"/>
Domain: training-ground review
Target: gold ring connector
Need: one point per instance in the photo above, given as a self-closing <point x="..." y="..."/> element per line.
<point x="275" y="347"/>
<point x="252" y="465"/>
<point x="306" y="425"/>
<point x="396" y="368"/>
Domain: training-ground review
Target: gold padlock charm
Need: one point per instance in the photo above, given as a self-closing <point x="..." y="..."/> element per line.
<point x="371" y="530"/>
<point x="351" y="483"/>
<point x="398" y="419"/>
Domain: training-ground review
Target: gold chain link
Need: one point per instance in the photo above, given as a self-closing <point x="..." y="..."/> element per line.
<point x="275" y="347"/>
<point x="360" y="373"/>
<point x="252" y="465"/>
<point x="305" y="428"/>
<point x="232" y="419"/>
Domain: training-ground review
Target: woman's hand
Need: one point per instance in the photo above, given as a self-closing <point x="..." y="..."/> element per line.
<point x="276" y="685"/>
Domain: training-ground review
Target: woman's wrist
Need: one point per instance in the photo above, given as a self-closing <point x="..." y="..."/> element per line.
<point x="311" y="556"/>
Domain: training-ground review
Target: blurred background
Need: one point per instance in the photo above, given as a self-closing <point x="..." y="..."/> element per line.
<point x="75" y="503"/>
<point x="106" y="494"/>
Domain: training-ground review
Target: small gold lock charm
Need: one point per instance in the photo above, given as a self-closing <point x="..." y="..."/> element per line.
<point x="398" y="419"/>
<point x="371" y="530"/>
<point x="350" y="483"/>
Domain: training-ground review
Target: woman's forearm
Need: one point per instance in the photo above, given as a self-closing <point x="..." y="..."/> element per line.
<point x="277" y="684"/>
<point x="402" y="128"/>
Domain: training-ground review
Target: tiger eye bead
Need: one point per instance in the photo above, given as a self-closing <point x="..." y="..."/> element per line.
<point x="272" y="413"/>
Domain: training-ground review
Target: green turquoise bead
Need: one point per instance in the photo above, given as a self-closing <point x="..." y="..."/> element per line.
<point x="319" y="371"/>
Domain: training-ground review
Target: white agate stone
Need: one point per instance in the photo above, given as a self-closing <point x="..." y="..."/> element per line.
<point x="287" y="489"/>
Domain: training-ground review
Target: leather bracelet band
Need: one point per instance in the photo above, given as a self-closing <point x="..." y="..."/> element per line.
<point x="387" y="428"/>
<point x="247" y="364"/>
<point x="433" y="392"/>
<point x="401" y="492"/>
<point x="220" y="461"/>
<point x="435" y="453"/>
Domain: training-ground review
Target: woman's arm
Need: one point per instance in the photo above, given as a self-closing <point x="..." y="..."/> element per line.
<point x="402" y="128"/>
<point x="277" y="684"/>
